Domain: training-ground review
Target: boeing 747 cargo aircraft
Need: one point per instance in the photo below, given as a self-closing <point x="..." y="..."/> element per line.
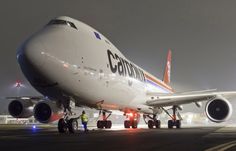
<point x="69" y="61"/>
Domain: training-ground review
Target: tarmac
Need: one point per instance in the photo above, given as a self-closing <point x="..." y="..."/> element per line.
<point x="46" y="138"/>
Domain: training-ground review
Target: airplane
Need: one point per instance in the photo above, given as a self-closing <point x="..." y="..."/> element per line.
<point x="69" y="62"/>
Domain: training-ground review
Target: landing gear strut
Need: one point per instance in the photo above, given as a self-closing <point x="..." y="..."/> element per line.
<point x="132" y="121"/>
<point x="104" y="123"/>
<point x="174" y="122"/>
<point x="152" y="122"/>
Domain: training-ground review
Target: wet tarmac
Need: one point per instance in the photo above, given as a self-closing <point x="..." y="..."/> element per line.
<point x="46" y="138"/>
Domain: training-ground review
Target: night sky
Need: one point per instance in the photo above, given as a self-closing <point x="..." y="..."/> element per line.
<point x="201" y="34"/>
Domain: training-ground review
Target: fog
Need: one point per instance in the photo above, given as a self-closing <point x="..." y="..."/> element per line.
<point x="201" y="35"/>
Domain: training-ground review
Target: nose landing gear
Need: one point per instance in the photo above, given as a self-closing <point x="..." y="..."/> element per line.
<point x="65" y="124"/>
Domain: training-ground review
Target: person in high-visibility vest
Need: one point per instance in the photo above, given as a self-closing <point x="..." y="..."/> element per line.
<point x="84" y="120"/>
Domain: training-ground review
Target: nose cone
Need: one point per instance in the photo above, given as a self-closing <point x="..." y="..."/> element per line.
<point x="30" y="56"/>
<point x="30" y="53"/>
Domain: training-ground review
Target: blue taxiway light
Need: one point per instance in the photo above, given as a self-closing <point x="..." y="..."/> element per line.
<point x="34" y="126"/>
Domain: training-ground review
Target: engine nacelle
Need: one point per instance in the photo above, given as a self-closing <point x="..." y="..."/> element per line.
<point x="21" y="108"/>
<point x="47" y="111"/>
<point x="218" y="110"/>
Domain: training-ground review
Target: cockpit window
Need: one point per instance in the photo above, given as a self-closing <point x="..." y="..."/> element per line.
<point x="62" y="22"/>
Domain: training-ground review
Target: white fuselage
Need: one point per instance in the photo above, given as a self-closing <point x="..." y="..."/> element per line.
<point x="62" y="61"/>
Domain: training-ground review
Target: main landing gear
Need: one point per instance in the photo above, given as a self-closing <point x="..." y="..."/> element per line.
<point x="153" y="122"/>
<point x="104" y="123"/>
<point x="174" y="122"/>
<point x="132" y="120"/>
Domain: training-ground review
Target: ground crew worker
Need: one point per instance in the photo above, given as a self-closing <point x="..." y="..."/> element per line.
<point x="84" y="120"/>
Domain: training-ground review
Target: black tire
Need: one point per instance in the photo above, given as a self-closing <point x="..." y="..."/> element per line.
<point x="135" y="124"/>
<point x="150" y="124"/>
<point x="108" y="124"/>
<point x="158" y="124"/>
<point x="72" y="125"/>
<point x="104" y="124"/>
<point x="170" y="123"/>
<point x="62" y="126"/>
<point x="178" y="124"/>
<point x="127" y="124"/>
<point x="100" y="124"/>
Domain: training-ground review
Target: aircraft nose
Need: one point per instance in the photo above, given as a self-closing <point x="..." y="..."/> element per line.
<point x="31" y="53"/>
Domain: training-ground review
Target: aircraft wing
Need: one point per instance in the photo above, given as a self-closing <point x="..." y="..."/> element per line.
<point x="31" y="98"/>
<point x="185" y="98"/>
<point x="25" y="97"/>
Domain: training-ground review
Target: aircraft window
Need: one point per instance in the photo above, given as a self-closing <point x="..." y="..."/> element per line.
<point x="62" y="22"/>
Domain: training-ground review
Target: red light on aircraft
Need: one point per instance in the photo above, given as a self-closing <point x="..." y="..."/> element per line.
<point x="18" y="84"/>
<point x="130" y="114"/>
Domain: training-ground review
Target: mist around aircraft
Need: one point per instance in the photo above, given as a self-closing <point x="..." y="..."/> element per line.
<point x="72" y="64"/>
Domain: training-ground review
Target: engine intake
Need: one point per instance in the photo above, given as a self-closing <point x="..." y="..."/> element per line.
<point x="21" y="108"/>
<point x="218" y="110"/>
<point x="47" y="111"/>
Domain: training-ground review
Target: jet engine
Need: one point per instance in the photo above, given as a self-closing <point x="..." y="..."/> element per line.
<point x="218" y="110"/>
<point x="21" y="108"/>
<point x="47" y="111"/>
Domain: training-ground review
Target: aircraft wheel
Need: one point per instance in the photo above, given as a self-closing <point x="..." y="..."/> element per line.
<point x="108" y="124"/>
<point x="127" y="124"/>
<point x="99" y="124"/>
<point x="158" y="124"/>
<point x="150" y="124"/>
<point x="178" y="124"/>
<point x="62" y="126"/>
<point x="72" y="125"/>
<point x="170" y="123"/>
<point x="134" y="124"/>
